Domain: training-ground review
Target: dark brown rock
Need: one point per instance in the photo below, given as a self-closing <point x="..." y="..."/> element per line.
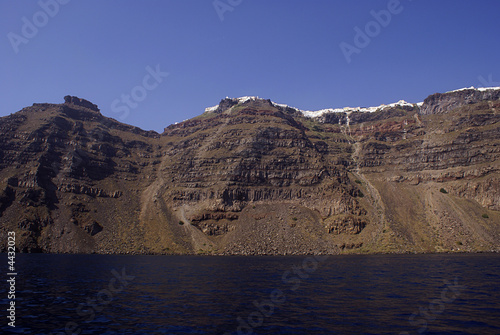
<point x="255" y="178"/>
<point x="80" y="102"/>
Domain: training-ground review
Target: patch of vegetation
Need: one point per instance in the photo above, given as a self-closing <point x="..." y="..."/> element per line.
<point x="294" y="218"/>
<point x="360" y="194"/>
<point x="181" y="223"/>
<point x="442" y="190"/>
<point x="357" y="181"/>
<point x="485" y="216"/>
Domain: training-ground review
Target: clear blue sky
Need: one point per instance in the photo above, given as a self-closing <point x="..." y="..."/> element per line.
<point x="285" y="50"/>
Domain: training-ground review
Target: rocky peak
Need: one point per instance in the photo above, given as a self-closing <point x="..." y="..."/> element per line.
<point x="227" y="103"/>
<point x="72" y="100"/>
<point x="440" y="103"/>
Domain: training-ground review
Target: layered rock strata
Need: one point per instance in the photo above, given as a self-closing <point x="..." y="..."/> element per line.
<point x="250" y="176"/>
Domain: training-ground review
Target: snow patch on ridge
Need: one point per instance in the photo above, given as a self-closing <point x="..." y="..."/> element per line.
<point x="211" y="109"/>
<point x="348" y="110"/>
<point x="482" y="89"/>
<point x="318" y="113"/>
<point x="242" y="100"/>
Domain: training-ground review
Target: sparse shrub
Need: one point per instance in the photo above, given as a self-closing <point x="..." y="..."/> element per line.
<point x="357" y="181"/>
<point x="442" y="190"/>
<point x="181" y="223"/>
<point x="360" y="194"/>
<point x="253" y="206"/>
<point x="294" y="218"/>
<point x="485" y="216"/>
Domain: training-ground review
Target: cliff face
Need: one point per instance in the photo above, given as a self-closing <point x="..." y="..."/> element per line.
<point x="441" y="103"/>
<point x="252" y="177"/>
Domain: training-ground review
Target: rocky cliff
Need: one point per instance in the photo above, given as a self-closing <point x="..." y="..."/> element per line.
<point x="250" y="176"/>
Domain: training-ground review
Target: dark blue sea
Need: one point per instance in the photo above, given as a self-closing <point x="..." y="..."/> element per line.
<point x="378" y="294"/>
